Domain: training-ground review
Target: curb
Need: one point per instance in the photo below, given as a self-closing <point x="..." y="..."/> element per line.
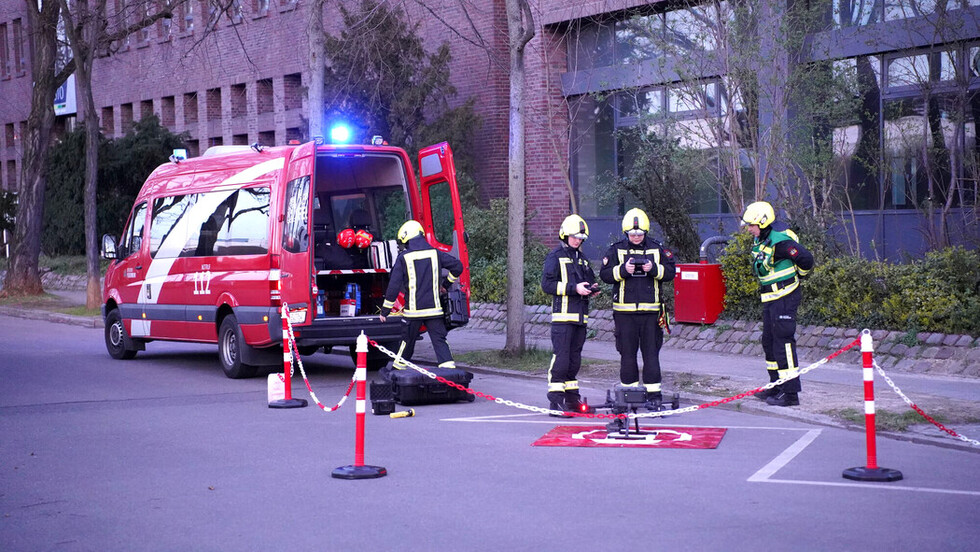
<point x="55" y="317"/>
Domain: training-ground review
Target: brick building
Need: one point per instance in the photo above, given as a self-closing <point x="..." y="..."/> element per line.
<point x="244" y="81"/>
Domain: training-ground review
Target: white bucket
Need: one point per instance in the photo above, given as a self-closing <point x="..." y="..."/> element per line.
<point x="277" y="387"/>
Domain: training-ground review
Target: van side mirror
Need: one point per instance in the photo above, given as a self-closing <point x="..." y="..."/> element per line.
<point x="108" y="247"/>
<point x="466" y="237"/>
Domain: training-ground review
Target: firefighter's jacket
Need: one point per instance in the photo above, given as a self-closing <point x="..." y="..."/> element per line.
<point x="778" y="260"/>
<point x="417" y="273"/>
<point x="564" y="269"/>
<point x="637" y="293"/>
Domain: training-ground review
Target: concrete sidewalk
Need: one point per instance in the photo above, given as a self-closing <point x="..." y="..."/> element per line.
<point x="705" y="376"/>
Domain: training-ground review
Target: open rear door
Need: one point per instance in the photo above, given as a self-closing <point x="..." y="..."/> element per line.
<point x="442" y="213"/>
<point x="297" y="246"/>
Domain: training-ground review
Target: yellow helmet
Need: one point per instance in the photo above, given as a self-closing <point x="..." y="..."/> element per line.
<point x="573" y="226"/>
<point x="759" y="213"/>
<point x="636" y="220"/>
<point x="410" y="230"/>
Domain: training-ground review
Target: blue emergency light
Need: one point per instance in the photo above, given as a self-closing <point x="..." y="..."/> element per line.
<point x="340" y="134"/>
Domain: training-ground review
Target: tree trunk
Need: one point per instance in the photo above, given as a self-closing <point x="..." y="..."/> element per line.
<point x="90" y="120"/>
<point x="23" y="276"/>
<point x="520" y="27"/>
<point x="317" y="58"/>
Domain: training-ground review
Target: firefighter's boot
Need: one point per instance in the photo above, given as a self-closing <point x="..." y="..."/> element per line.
<point x="784" y="399"/>
<point x="556" y="401"/>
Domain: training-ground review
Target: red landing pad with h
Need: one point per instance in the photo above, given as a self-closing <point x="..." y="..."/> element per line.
<point x="653" y="437"/>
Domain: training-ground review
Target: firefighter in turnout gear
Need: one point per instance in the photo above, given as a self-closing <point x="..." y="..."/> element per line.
<point x="636" y="266"/>
<point x="778" y="261"/>
<point x="569" y="278"/>
<point x="417" y="273"/>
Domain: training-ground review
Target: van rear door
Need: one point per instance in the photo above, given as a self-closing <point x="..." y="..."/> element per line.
<point x="442" y="212"/>
<point x="296" y="249"/>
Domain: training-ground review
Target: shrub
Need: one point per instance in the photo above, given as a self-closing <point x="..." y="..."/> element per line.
<point x="488" y="257"/>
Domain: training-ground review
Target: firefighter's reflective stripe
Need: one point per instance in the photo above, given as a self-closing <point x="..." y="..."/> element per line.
<point x="624" y="255"/>
<point x="775" y="291"/>
<point x="566" y="317"/>
<point x="652" y="387"/>
<point x="778" y="275"/>
<point x="791" y="370"/>
<point x="636" y="307"/>
<point x="772" y="366"/>
<point x="411" y="307"/>
<point x="558" y="386"/>
<point x="571" y="385"/>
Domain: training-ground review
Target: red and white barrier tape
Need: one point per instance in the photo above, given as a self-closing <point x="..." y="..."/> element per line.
<point x="294" y="351"/>
<point x="922" y="413"/>
<point x="630" y="415"/>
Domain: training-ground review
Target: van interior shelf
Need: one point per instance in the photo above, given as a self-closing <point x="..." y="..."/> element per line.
<point x="354" y="271"/>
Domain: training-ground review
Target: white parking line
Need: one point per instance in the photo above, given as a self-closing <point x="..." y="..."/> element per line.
<point x="766" y="472"/>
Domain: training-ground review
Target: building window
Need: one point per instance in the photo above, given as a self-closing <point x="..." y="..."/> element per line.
<point x="260" y="8"/>
<point x="126" y="116"/>
<point x="19" y="62"/>
<point x="186" y="18"/>
<point x="165" y="25"/>
<point x="146" y="109"/>
<point x="12" y="183"/>
<point x="239" y="139"/>
<point x="293" y="135"/>
<point x="10" y="134"/>
<point x="190" y="109"/>
<point x="213" y="100"/>
<point x="108" y="121"/>
<point x="293" y="91"/>
<point x="265" y="100"/>
<point x="236" y="12"/>
<point x="239" y="100"/>
<point x="854" y="13"/>
<point x="168" y="115"/>
<point x="4" y="56"/>
<point x="215" y="141"/>
<point x="267" y="138"/>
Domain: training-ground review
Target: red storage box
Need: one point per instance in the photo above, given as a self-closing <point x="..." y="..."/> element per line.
<point x="699" y="293"/>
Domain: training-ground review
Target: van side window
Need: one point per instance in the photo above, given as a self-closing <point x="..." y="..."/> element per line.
<point x="233" y="223"/>
<point x="132" y="239"/>
<point x="296" y="234"/>
<point x="168" y="230"/>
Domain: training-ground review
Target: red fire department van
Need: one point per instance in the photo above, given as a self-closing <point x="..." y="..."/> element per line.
<point x="215" y="244"/>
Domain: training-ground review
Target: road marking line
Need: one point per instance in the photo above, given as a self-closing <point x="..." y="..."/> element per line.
<point x="876" y="486"/>
<point x="770" y="469"/>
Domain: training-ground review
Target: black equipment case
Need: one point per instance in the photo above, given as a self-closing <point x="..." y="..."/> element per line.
<point x="410" y="387"/>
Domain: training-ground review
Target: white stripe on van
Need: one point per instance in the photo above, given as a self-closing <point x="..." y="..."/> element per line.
<point x="160" y="266"/>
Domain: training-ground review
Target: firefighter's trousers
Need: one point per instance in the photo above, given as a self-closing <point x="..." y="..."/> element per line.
<point x="437" y="333"/>
<point x="779" y="338"/>
<point x="567" y="341"/>
<point x="639" y="332"/>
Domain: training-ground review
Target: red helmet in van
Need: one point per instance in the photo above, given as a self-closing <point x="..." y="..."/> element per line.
<point x="363" y="239"/>
<point x="346" y="238"/>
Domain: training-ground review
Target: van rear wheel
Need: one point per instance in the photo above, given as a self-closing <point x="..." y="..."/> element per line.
<point x="230" y="345"/>
<point x="115" y="337"/>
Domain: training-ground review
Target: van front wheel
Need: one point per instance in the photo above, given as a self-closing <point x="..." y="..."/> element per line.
<point x="115" y="337"/>
<point x="230" y="345"/>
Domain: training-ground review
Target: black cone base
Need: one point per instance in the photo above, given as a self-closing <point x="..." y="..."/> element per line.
<point x="288" y="403"/>
<point x="872" y="474"/>
<point x="359" y="472"/>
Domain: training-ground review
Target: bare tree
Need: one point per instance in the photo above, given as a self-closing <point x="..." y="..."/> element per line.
<point x="23" y="276"/>
<point x="91" y="35"/>
<point x="315" y="36"/>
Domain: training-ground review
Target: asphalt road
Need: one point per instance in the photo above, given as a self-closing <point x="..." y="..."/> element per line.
<point x="164" y="453"/>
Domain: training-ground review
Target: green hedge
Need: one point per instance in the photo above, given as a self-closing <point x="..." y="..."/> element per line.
<point x="937" y="293"/>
